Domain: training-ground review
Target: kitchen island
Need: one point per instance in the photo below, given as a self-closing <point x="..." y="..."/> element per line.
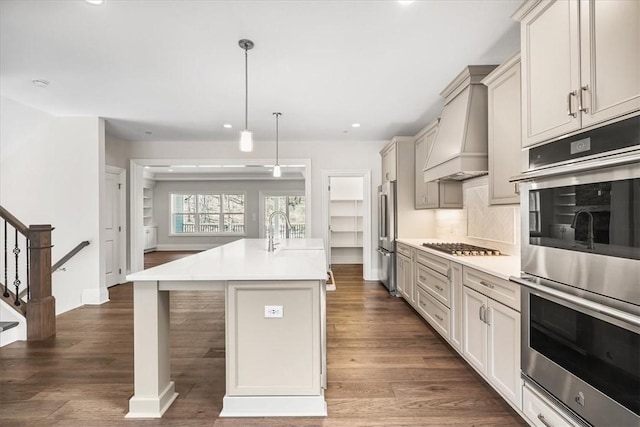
<point x="274" y="327"/>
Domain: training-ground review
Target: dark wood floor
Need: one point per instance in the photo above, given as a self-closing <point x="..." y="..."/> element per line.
<point x="386" y="366"/>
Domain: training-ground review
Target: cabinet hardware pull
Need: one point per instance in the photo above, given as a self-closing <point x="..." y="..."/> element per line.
<point x="422" y="304"/>
<point x="488" y="285"/>
<point x="440" y="288"/>
<point x="581" y="107"/>
<point x="423" y="278"/>
<point x="439" y="318"/>
<point x="449" y="273"/>
<point x="487" y="316"/>
<point x="516" y="187"/>
<point x="544" y="421"/>
<point x="482" y="313"/>
<point x="569" y="113"/>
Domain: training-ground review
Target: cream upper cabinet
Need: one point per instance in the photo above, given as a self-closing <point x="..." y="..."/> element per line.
<point x="504" y="106"/>
<point x="432" y="195"/>
<point x="580" y="64"/>
<point x="389" y="163"/>
<point x="427" y="194"/>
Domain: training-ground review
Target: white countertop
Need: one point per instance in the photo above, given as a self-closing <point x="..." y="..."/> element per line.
<point x="245" y="259"/>
<point x="501" y="266"/>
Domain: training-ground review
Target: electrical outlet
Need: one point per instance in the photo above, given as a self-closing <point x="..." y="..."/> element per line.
<point x="273" y="311"/>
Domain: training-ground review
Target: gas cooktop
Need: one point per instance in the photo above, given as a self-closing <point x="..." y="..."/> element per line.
<point x="461" y="249"/>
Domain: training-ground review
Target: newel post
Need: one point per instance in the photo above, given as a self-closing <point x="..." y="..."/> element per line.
<point x="41" y="307"/>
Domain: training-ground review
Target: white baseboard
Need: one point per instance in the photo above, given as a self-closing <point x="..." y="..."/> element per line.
<point x="274" y="406"/>
<point x="185" y="247"/>
<point x="95" y="296"/>
<point x="374" y="276"/>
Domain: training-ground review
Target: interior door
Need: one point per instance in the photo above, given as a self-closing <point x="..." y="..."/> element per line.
<point x="112" y="229"/>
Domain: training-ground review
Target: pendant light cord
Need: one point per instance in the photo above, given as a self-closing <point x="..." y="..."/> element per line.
<point x="277" y="134"/>
<point x="246" y="90"/>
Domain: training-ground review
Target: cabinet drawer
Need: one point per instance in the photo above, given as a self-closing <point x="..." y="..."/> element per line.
<point x="403" y="249"/>
<point x="504" y="291"/>
<point x="436" y="284"/>
<point x="433" y="312"/>
<point x="540" y="413"/>
<point x="434" y="262"/>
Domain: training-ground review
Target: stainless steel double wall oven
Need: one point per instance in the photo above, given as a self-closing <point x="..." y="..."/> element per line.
<point x="580" y="203"/>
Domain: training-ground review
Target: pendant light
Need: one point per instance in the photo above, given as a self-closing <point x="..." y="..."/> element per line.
<point x="277" y="173"/>
<point x="246" y="136"/>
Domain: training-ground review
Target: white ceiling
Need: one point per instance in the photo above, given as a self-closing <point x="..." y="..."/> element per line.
<point x="174" y="68"/>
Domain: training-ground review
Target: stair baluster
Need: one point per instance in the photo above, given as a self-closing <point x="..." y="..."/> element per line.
<point x="6" y="268"/>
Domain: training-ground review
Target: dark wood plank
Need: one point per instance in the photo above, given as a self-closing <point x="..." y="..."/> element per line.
<point x="386" y="366"/>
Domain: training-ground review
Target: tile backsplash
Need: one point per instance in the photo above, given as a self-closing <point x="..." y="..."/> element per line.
<point x="497" y="227"/>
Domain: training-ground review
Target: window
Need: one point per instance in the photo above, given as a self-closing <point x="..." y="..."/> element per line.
<point x="294" y="207"/>
<point x="220" y="213"/>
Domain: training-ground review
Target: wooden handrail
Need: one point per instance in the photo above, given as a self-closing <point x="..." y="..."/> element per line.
<point x="15" y="222"/>
<point x="70" y="255"/>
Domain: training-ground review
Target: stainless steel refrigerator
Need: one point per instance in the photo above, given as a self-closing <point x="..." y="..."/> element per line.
<point x="387" y="231"/>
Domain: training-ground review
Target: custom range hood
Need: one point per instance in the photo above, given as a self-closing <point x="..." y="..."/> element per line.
<point x="459" y="151"/>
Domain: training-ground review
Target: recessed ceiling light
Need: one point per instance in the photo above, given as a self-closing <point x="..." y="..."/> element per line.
<point x="40" y="83"/>
<point x="227" y="125"/>
<point x="96" y="2"/>
<point x="170" y="170"/>
<point x="355" y="125"/>
<point x="405" y="2"/>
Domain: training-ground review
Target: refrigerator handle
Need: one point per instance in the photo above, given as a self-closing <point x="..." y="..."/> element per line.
<point x="383" y="216"/>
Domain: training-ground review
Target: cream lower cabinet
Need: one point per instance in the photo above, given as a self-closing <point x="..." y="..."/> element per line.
<point x="491" y="342"/>
<point x="542" y="413"/>
<point x="405" y="267"/>
<point x="150" y="238"/>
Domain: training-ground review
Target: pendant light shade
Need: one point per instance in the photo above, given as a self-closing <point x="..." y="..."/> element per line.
<point x="246" y="141"/>
<point x="277" y="173"/>
<point x="246" y="136"/>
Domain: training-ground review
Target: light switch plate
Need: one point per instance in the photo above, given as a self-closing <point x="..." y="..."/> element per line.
<point x="273" y="311"/>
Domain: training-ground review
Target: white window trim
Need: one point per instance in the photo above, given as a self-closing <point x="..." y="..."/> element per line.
<point x="196" y="213"/>
<point x="261" y="207"/>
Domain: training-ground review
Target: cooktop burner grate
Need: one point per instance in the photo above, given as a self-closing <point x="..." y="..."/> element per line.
<point x="461" y="249"/>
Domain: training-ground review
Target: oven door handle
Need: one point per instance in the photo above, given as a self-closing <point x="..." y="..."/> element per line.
<point x="580" y="302"/>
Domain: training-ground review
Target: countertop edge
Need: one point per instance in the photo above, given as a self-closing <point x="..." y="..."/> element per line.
<point x="509" y="264"/>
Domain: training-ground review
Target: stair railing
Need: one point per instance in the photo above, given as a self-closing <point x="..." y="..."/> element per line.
<point x="70" y="255"/>
<point x="33" y="270"/>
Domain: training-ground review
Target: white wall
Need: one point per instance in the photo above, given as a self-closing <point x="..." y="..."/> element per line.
<point x="51" y="172"/>
<point x="161" y="206"/>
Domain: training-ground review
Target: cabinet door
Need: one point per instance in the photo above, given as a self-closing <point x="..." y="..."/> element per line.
<point x="610" y="59"/>
<point x="455" y="330"/>
<point x="505" y="132"/>
<point x="474" y="330"/>
<point x="427" y="196"/>
<point x="401" y="266"/>
<point x="450" y="194"/>
<point x="550" y="71"/>
<point x="389" y="165"/>
<point x="503" y="364"/>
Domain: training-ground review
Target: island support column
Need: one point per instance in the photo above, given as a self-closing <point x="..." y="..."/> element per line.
<point x="154" y="391"/>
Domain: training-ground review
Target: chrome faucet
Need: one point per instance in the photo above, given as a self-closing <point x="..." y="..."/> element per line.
<point x="270" y="231"/>
<point x="590" y="236"/>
